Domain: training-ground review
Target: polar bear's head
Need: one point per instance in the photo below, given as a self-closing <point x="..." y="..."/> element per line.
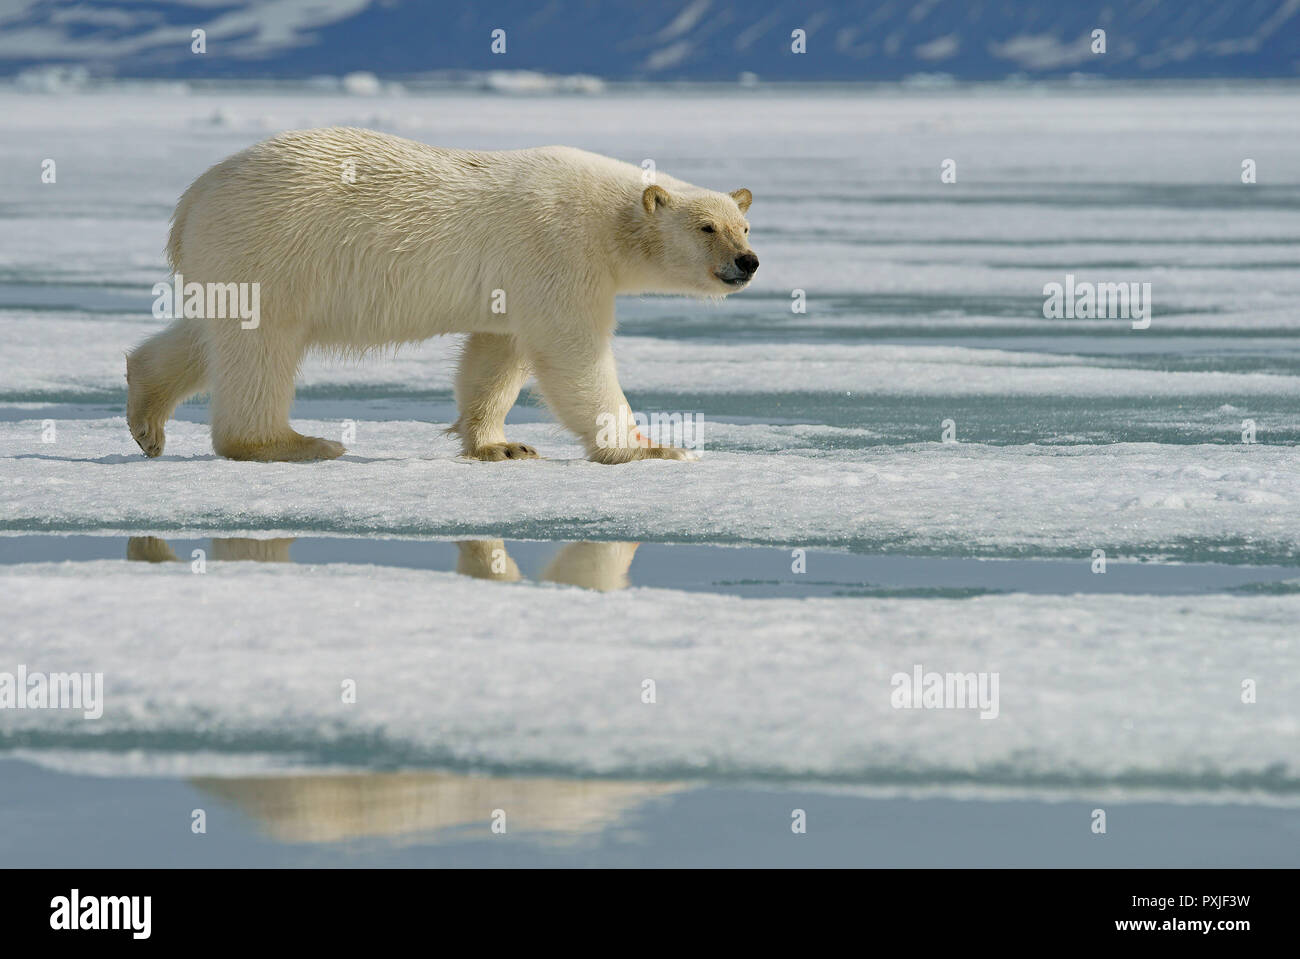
<point x="697" y="241"/>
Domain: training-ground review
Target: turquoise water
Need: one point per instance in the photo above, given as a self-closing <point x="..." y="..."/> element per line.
<point x="749" y="571"/>
<point x="378" y="821"/>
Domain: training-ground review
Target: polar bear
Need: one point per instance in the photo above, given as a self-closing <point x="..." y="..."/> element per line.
<point x="358" y="240"/>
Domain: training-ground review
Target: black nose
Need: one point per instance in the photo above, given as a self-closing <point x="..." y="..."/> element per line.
<point x="747" y="262"/>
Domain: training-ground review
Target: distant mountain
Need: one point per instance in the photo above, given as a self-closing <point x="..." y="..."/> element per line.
<point x="665" y="40"/>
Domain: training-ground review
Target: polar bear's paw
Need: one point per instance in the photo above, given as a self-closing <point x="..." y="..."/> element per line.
<point x="149" y="436"/>
<point x="294" y="448"/>
<point x="495" y="452"/>
<point x="668" y="453"/>
<point x="314" y="448"/>
<point x="627" y="454"/>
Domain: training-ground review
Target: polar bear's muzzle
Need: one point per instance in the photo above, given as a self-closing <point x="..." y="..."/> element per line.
<point x="740" y="271"/>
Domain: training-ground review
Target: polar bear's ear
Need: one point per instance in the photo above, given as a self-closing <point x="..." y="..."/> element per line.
<point x="743" y="198"/>
<point x="654" y="197"/>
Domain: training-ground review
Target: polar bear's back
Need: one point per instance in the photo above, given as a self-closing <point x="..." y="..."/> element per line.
<point x="399" y="189"/>
<point x="340" y="221"/>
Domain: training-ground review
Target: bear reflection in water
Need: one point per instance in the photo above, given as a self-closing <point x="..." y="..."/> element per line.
<point x="414" y="806"/>
<point x="599" y="566"/>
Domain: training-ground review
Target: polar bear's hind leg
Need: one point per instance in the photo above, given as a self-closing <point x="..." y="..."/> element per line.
<point x="252" y="390"/>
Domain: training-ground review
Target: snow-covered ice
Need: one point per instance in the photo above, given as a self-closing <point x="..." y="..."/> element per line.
<point x="821" y="429"/>
<point x="1094" y="692"/>
<point x="406" y="478"/>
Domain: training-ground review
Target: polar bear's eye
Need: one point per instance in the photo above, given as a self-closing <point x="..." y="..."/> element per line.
<point x="707" y="229"/>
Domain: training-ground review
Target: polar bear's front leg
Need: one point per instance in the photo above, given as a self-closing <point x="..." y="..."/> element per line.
<point x="580" y="384"/>
<point x="492" y="371"/>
